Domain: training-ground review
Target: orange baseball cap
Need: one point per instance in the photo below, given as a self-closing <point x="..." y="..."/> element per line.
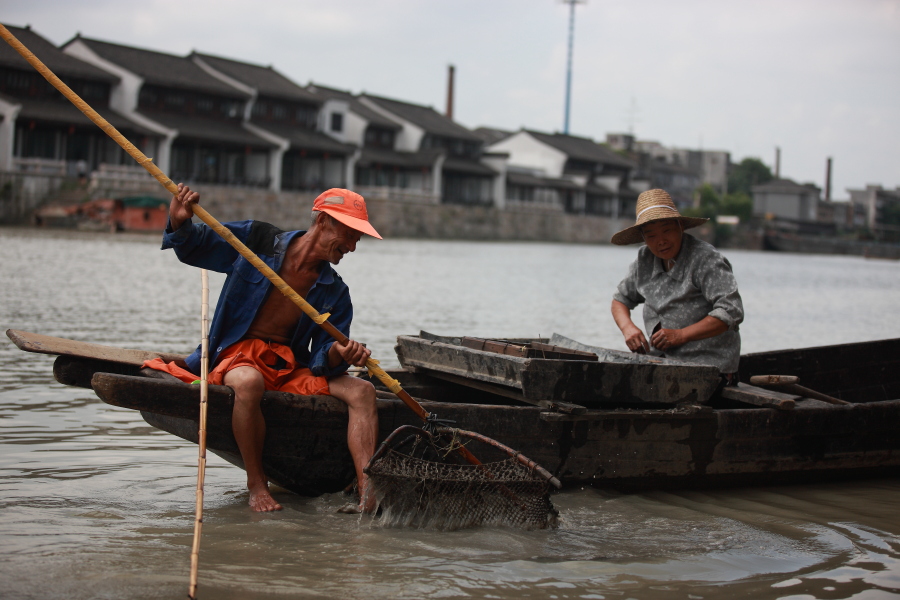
<point x="347" y="207"/>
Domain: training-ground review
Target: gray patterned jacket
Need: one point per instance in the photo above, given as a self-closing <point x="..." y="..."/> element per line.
<point x="700" y="284"/>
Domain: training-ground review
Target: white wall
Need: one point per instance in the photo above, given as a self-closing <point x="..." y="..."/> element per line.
<point x="525" y="151"/>
<point x="9" y="112"/>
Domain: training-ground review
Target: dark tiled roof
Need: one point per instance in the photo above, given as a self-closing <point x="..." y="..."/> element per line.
<point x="381" y="156"/>
<point x="425" y="117"/>
<point x="158" y="68"/>
<point x="57" y="61"/>
<point x="598" y="190"/>
<point x="266" y="80"/>
<point x="519" y="178"/>
<point x="64" y="112"/>
<point x="581" y="148"/>
<point x="472" y="167"/>
<point x="490" y="135"/>
<point x="784" y="186"/>
<point x="208" y="130"/>
<point x="374" y="118"/>
<point x="301" y="138"/>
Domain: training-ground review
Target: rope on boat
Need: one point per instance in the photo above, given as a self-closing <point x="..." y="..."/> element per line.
<point x="201" y="459"/>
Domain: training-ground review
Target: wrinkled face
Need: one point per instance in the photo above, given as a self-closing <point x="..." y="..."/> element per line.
<point x="663" y="238"/>
<point x="339" y="240"/>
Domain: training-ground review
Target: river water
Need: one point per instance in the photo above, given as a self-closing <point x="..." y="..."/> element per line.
<point x="94" y="503"/>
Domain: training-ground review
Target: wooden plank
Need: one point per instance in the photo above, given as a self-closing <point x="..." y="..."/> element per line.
<point x="756" y="396"/>
<point x="552" y="351"/>
<point x="682" y="412"/>
<point x="527" y="350"/>
<point x="506" y="392"/>
<point x="45" y="344"/>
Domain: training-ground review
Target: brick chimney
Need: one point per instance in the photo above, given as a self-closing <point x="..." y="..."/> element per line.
<point x="450" y="92"/>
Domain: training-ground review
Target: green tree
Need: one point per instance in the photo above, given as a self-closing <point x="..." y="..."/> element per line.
<point x="737" y="203"/>
<point x="750" y="172"/>
<point x="890" y="214"/>
<point x="709" y="203"/>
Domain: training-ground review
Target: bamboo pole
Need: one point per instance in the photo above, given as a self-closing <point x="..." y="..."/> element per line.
<point x="201" y="434"/>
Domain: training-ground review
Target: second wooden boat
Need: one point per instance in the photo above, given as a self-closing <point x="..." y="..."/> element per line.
<point x="752" y="436"/>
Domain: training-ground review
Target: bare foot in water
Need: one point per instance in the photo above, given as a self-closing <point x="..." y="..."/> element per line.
<point x="262" y="501"/>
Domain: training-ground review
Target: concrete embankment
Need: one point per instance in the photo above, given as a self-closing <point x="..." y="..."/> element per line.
<point x="395" y="219"/>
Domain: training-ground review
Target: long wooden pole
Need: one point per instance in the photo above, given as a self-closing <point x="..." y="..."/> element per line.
<point x="201" y="434"/>
<point x="322" y="319"/>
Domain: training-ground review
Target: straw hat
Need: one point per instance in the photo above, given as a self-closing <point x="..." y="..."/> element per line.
<point x="653" y="205"/>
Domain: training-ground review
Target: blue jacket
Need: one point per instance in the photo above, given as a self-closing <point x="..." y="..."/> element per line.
<point x="246" y="289"/>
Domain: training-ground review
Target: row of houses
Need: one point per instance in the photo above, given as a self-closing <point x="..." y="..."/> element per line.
<point x="211" y="120"/>
<point x="803" y="207"/>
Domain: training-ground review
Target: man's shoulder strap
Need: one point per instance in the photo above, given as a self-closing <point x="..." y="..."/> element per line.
<point x="262" y="238"/>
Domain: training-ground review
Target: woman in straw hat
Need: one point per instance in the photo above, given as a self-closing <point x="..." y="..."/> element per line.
<point x="692" y="307"/>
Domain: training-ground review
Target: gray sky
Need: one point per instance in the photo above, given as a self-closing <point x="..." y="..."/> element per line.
<point x="817" y="78"/>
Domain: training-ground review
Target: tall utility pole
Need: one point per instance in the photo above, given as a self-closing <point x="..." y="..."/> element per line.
<point x="571" y="4"/>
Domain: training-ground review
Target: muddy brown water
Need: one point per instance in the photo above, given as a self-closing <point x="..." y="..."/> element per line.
<point x="95" y="503"/>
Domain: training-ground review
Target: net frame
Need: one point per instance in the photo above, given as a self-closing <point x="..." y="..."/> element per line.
<point x="419" y="481"/>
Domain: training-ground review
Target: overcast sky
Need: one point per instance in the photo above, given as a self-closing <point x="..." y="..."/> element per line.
<point x="816" y="78"/>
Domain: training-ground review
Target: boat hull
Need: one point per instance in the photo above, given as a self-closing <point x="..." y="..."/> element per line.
<point x="624" y="449"/>
<point x="722" y="444"/>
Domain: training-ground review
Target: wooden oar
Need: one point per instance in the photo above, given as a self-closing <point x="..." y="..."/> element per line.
<point x="322" y="319"/>
<point x="789" y="383"/>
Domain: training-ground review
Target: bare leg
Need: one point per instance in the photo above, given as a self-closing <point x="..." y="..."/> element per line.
<point x="249" y="429"/>
<point x="362" y="429"/>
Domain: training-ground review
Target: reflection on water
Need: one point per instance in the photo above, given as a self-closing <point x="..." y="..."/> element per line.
<point x="94" y="503"/>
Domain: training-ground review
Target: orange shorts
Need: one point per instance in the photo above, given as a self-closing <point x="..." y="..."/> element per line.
<point x="274" y="361"/>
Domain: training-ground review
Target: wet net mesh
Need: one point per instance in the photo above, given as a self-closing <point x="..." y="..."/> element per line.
<point x="434" y="493"/>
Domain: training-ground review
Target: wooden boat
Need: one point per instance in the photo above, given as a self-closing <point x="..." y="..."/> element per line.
<point x="747" y="436"/>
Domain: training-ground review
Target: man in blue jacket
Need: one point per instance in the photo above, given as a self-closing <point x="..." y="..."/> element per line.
<point x="259" y="340"/>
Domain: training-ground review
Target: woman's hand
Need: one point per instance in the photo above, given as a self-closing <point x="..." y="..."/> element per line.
<point x="664" y="339"/>
<point x="635" y="340"/>
<point x="634" y="337"/>
<point x="706" y="327"/>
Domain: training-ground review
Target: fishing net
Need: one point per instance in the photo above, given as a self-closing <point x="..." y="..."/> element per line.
<point x="419" y="481"/>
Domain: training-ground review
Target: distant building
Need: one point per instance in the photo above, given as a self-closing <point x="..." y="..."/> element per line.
<point x="286" y="115"/>
<point x="786" y="199"/>
<point x="42" y="132"/>
<point x="874" y="203"/>
<point x="198" y="115"/>
<point x="677" y="170"/>
<point x="464" y="177"/>
<point x="566" y="172"/>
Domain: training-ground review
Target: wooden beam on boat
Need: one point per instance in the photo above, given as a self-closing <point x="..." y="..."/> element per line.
<point x="749" y="394"/>
<point x="45" y="344"/>
<point x="589" y="383"/>
<point x="507" y="392"/>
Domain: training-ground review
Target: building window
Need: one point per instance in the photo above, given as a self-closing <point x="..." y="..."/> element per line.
<point x="204" y="105"/>
<point x="306" y="116"/>
<point x="279" y="112"/>
<point x="230" y="108"/>
<point x="175" y="100"/>
<point x="337" y="122"/>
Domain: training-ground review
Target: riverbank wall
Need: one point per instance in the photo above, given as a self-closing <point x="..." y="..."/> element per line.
<point x="400" y="219"/>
